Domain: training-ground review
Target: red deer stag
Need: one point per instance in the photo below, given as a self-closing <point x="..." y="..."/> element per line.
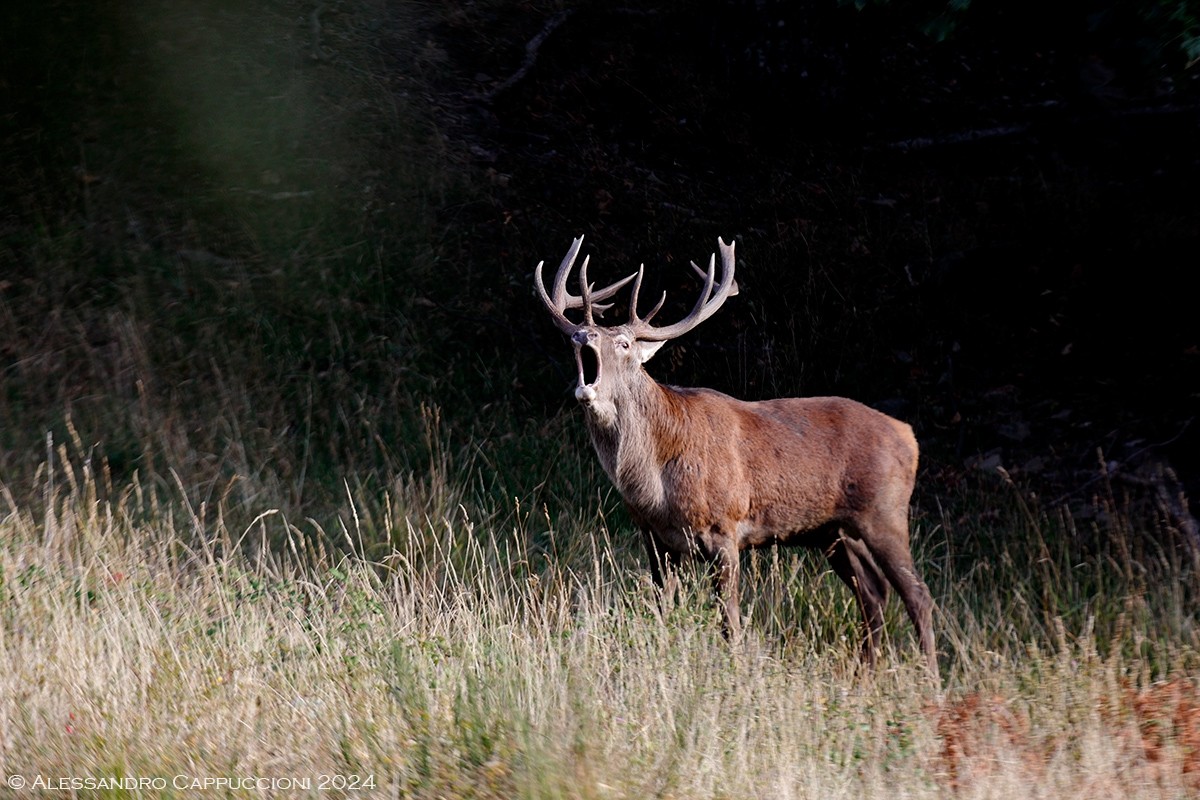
<point x="704" y="473"/>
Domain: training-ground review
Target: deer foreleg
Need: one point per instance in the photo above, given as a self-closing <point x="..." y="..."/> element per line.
<point x="663" y="562"/>
<point x="726" y="579"/>
<point x="664" y="568"/>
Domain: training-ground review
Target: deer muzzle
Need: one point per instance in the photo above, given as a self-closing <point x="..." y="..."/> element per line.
<point x="587" y="362"/>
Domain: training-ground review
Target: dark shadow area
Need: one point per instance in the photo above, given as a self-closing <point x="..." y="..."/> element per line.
<point x="989" y="236"/>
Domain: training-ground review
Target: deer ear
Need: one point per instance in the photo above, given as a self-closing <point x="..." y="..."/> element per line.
<point x="646" y="350"/>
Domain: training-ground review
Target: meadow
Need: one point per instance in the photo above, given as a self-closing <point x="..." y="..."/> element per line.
<point x="294" y="501"/>
<point x="416" y="642"/>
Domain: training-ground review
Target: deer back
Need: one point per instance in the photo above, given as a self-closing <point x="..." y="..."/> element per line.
<point x="701" y="460"/>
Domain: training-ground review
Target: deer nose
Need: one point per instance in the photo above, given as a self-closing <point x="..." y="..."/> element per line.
<point x="580" y="337"/>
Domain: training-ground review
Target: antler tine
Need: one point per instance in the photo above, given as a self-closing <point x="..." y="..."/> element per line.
<point x="559" y="299"/>
<point x="585" y="289"/>
<point x="562" y="298"/>
<point x="707" y="277"/>
<point x="555" y="308"/>
<point x="589" y="297"/>
<point x="710" y="278"/>
<point x="707" y="304"/>
<point x="634" y="320"/>
<point x="608" y="291"/>
<point x="657" y="308"/>
<point x="633" y="298"/>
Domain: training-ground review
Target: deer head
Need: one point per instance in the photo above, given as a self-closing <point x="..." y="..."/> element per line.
<point x="609" y="359"/>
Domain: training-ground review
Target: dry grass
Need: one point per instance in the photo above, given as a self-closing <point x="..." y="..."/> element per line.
<point x="141" y="638"/>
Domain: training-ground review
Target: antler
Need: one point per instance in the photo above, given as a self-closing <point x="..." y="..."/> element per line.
<point x="559" y="300"/>
<point x="705" y="307"/>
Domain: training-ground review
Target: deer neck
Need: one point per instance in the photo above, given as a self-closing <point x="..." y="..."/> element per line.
<point x="633" y="438"/>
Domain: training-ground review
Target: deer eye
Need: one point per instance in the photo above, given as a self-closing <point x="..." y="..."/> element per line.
<point x="623" y="344"/>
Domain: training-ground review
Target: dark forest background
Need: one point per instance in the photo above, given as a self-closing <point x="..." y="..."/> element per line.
<point x="251" y="249"/>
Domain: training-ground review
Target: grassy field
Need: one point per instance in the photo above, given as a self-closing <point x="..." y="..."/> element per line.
<point x="284" y="511"/>
<point x="447" y="654"/>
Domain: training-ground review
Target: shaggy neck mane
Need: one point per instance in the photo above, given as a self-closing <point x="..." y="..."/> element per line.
<point x="646" y="434"/>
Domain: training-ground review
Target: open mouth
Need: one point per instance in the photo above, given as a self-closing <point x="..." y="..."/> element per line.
<point x="587" y="360"/>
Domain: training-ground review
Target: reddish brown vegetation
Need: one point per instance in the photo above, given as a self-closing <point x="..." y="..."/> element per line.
<point x="976" y="731"/>
<point x="1156" y="726"/>
<point x="1162" y="723"/>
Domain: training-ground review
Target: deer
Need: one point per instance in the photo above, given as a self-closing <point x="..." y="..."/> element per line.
<point x="706" y="475"/>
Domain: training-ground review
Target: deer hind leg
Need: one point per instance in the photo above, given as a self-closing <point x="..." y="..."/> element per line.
<point x="887" y="541"/>
<point x="852" y="562"/>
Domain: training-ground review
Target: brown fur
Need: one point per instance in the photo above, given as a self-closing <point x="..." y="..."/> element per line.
<point x="706" y="474"/>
